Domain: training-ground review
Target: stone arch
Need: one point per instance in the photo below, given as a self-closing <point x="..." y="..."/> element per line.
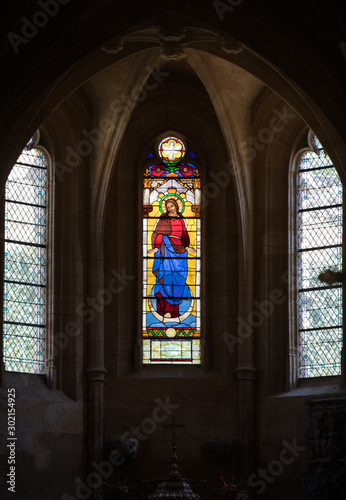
<point x="61" y="76"/>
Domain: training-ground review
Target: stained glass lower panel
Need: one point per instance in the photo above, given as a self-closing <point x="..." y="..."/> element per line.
<point x="175" y="351"/>
<point x="171" y="340"/>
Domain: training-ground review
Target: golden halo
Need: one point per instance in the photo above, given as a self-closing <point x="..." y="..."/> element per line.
<point x="168" y="197"/>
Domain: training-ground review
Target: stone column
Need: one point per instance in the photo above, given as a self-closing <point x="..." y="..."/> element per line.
<point x="96" y="370"/>
<point x="246" y="374"/>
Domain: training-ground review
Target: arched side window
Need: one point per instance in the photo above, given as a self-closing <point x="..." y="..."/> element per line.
<point x="25" y="263"/>
<point x="319" y="247"/>
<point x="171" y="255"/>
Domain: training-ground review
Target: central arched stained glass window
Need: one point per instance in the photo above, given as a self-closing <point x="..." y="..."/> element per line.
<point x="171" y="255"/>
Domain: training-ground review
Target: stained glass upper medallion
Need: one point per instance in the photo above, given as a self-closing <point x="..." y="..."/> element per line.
<point x="171" y="150"/>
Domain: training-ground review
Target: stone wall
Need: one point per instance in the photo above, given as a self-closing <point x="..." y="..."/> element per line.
<point x="100" y="111"/>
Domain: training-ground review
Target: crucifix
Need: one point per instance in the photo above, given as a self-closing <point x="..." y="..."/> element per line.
<point x="174" y="486"/>
<point x="174" y="467"/>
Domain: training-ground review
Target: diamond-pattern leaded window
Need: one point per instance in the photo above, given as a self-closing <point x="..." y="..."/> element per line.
<point x="25" y="263"/>
<point x="319" y="239"/>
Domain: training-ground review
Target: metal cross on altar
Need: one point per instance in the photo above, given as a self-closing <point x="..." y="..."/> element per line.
<point x="174" y="468"/>
<point x="174" y="486"/>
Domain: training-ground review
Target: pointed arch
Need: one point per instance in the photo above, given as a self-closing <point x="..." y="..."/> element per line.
<point x="316" y="206"/>
<point x="25" y="263"/>
<point x="171" y="254"/>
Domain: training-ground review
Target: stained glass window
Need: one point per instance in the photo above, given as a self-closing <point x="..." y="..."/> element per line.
<point x="319" y="241"/>
<point x="171" y="256"/>
<point x="25" y="263"/>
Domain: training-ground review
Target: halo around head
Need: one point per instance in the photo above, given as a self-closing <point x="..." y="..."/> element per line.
<point x="176" y="197"/>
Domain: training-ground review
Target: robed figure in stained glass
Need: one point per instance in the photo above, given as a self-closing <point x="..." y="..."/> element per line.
<point x="170" y="243"/>
<point x="171" y="255"/>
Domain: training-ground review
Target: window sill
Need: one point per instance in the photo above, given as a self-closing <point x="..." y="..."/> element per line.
<point x="314" y="387"/>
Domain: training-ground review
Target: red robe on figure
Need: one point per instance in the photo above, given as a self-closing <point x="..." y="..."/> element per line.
<point x="174" y="228"/>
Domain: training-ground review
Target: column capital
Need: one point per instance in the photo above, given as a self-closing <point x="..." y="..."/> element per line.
<point x="96" y="374"/>
<point x="246" y="373"/>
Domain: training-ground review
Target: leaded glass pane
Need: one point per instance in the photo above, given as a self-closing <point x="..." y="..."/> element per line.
<point x="25" y="264"/>
<point x="320" y="308"/>
<point x="171" y="258"/>
<point x="311" y="262"/>
<point x="319" y="227"/>
<point x="320" y="187"/>
<point x="319" y="242"/>
<point x="320" y="352"/>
